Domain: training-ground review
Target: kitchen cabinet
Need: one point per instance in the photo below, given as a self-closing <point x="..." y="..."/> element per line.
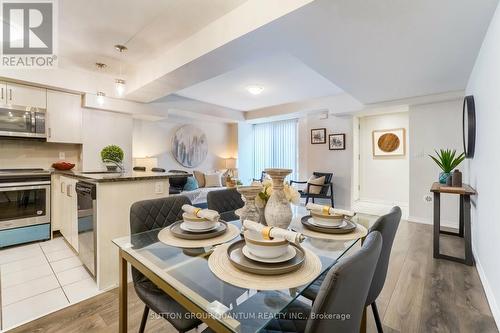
<point x="56" y="202"/>
<point x="64" y="117"/>
<point x="23" y="95"/>
<point x="67" y="215"/>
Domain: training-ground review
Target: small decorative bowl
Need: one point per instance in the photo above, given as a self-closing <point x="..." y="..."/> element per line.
<point x="327" y="220"/>
<point x="265" y="248"/>
<point x="196" y="223"/>
<point x="63" y="166"/>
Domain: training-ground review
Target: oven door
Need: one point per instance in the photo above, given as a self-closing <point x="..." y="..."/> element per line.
<point x="23" y="204"/>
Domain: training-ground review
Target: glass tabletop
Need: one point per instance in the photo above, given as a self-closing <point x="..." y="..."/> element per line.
<point x="238" y="309"/>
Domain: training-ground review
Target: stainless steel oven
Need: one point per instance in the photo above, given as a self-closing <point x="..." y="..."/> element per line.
<point x="24" y="207"/>
<point x="22" y="122"/>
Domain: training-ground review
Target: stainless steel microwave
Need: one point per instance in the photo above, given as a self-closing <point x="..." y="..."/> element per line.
<point x="22" y="122"/>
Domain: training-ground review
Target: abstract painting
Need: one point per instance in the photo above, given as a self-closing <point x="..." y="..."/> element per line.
<point x="336" y="141"/>
<point x="318" y="136"/>
<point x="189" y="146"/>
<point x="389" y="142"/>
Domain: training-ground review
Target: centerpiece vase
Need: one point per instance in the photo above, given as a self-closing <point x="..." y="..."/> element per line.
<point x="278" y="211"/>
<point x="250" y="210"/>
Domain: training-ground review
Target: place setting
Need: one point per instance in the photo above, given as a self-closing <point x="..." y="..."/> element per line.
<point x="267" y="258"/>
<point x="331" y="223"/>
<point x="198" y="228"/>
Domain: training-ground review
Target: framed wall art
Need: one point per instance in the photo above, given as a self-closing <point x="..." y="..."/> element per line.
<point x="318" y="136"/>
<point x="336" y="141"/>
<point x="391" y="142"/>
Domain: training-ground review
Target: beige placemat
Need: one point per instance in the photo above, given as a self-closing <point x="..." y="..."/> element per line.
<point x="165" y="236"/>
<point x="221" y="266"/>
<point x="359" y="232"/>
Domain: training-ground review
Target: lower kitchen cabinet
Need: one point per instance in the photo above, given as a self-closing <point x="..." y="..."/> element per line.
<point x="64" y="208"/>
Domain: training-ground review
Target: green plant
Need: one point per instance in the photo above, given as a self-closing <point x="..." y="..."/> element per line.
<point x="447" y="160"/>
<point x="112" y="153"/>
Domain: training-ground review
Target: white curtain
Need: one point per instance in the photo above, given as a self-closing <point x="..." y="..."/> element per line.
<point x="275" y="146"/>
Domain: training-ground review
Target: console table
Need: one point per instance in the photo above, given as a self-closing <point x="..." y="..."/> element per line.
<point x="464" y="229"/>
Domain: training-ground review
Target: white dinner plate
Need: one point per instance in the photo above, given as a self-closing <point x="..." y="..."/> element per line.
<point x="185" y="228"/>
<point x="289" y="254"/>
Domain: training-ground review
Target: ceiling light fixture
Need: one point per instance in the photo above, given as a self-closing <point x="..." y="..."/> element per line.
<point x="120" y="83"/>
<point x="100" y="97"/>
<point x="255" y="90"/>
<point x="100" y="65"/>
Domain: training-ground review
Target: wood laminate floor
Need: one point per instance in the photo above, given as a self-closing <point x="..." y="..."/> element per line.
<point x="421" y="294"/>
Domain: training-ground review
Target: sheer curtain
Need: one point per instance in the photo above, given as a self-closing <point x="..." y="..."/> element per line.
<point x="275" y="146"/>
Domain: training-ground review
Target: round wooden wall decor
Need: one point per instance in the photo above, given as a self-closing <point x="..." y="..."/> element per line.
<point x="469" y="126"/>
<point x="388" y="142"/>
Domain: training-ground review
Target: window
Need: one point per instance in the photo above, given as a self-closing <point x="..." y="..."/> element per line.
<point x="275" y="146"/>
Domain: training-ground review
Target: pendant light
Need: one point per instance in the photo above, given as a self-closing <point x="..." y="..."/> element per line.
<point x="100" y="95"/>
<point x="119" y="82"/>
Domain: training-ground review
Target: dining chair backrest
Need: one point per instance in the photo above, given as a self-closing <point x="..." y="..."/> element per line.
<point x="387" y="225"/>
<point x="158" y="170"/>
<point x="139" y="168"/>
<point x="153" y="214"/>
<point x="328" y="179"/>
<point x="225" y="202"/>
<point x="344" y="290"/>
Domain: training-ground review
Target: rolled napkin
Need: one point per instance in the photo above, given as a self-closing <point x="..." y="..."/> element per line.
<point x="208" y="214"/>
<point x="327" y="210"/>
<point x="274" y="232"/>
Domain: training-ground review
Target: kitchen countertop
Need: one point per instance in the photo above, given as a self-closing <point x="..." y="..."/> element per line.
<point x="106" y="177"/>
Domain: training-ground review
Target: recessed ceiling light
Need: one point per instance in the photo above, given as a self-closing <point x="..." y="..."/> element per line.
<point x="255" y="90"/>
<point x="121" y="48"/>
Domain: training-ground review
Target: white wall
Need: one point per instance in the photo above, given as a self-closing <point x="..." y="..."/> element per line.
<point x="383" y="180"/>
<point x="483" y="84"/>
<point x="153" y="139"/>
<point x="319" y="158"/>
<point x="433" y="126"/>
<point x="102" y="128"/>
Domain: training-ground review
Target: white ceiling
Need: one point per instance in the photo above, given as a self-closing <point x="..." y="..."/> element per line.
<point x="88" y="29"/>
<point x="284" y="78"/>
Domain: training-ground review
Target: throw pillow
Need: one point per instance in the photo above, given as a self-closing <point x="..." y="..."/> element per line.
<point x="200" y="178"/>
<point x="315" y="181"/>
<point x="191" y="184"/>
<point x="213" y="180"/>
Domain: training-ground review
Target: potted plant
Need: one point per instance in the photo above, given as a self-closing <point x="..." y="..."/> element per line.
<point x="447" y="160"/>
<point x="112" y="157"/>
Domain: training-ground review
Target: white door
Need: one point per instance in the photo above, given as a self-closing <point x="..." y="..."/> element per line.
<point x="64" y="117"/>
<point x="19" y="94"/>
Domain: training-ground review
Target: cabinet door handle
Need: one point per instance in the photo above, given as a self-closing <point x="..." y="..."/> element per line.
<point x="62" y="187"/>
<point x="50" y="132"/>
<point x="68" y="190"/>
<point x="10" y="91"/>
<point x="2" y="93"/>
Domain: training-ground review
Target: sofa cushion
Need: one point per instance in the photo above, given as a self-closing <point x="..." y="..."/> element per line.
<point x="316" y="181"/>
<point x="213" y="180"/>
<point x="191" y="184"/>
<point x="200" y="178"/>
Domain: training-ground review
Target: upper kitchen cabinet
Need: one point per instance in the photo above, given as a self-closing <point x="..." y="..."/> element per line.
<point x="64" y="117"/>
<point x="22" y="95"/>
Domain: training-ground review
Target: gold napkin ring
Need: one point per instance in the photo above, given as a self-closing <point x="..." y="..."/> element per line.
<point x="196" y="211"/>
<point x="326" y="210"/>
<point x="266" y="233"/>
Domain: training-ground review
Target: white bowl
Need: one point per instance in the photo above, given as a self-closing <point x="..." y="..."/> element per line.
<point x="265" y="248"/>
<point x="196" y="223"/>
<point x="327" y="220"/>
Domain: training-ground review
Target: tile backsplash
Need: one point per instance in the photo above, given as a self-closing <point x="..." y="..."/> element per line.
<point x="36" y="154"/>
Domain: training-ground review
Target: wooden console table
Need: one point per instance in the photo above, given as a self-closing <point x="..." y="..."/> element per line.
<point x="464" y="229"/>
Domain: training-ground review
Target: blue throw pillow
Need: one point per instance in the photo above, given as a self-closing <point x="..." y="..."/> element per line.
<point x="191" y="184"/>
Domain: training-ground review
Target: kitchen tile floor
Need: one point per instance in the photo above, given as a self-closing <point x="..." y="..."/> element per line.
<point x="37" y="279"/>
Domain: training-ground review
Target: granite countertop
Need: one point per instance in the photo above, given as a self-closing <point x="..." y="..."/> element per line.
<point x="105" y="177"/>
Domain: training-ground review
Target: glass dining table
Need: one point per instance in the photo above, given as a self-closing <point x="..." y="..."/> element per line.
<point x="184" y="274"/>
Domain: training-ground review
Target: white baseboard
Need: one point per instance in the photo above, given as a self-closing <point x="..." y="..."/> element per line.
<point x="379" y="207"/>
<point x="495" y="310"/>
<point x="444" y="223"/>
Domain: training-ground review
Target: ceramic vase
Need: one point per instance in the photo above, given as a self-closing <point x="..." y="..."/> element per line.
<point x="443" y="177"/>
<point x="250" y="210"/>
<point x="278" y="212"/>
